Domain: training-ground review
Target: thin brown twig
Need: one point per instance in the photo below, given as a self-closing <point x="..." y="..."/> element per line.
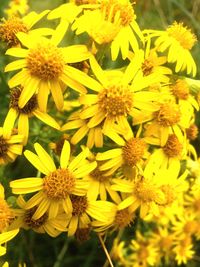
<point x="105" y="250"/>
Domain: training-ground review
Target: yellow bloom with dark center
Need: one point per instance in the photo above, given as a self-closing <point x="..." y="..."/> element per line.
<point x="58" y="184"/>
<point x="44" y="224"/>
<point x="13" y="25"/>
<point x="23" y="114"/>
<point x="45" y="69"/>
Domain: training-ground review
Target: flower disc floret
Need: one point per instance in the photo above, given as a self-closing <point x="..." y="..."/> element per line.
<point x="45" y="61"/>
<point x="59" y="184"/>
<point x="173" y="147"/>
<point x="180" y="89"/>
<point x="168" y="115"/>
<point x="79" y="204"/>
<point x="30" y="222"/>
<point x="3" y="147"/>
<point x="116" y="101"/>
<point x="182" y="34"/>
<point x="123" y="218"/>
<point x="5" y="214"/>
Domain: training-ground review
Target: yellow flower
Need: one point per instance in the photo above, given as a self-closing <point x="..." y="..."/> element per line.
<point x="51" y="226"/>
<point x="10" y="144"/>
<point x="117" y="96"/>
<point x="113" y="22"/>
<point x="58" y="183"/>
<point x="183" y="250"/>
<point x="131" y="152"/>
<point x="82" y="206"/>
<point x="179" y="40"/>
<point x="13" y="25"/>
<point x="23" y="114"/>
<point x="45" y="69"/>
<point x="5" y="237"/>
<point x="94" y="135"/>
<point x="17" y="7"/>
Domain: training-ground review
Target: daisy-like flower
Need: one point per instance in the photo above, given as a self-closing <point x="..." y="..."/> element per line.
<point x="51" y="226"/>
<point x="183" y="250"/>
<point x="23" y="114"/>
<point x="178" y="40"/>
<point x="130" y="153"/>
<point x="5" y="237"/>
<point x="13" y="25"/>
<point x="58" y="183"/>
<point x="169" y="119"/>
<point x="11" y="144"/>
<point x="17" y="7"/>
<point x="94" y="135"/>
<point x="83" y="208"/>
<point x="117" y="96"/>
<point x="45" y="69"/>
<point x="113" y="22"/>
<point x="117" y="219"/>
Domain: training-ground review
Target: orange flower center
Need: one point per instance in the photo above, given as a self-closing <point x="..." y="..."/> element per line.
<point x="123" y="218"/>
<point x="168" y="115"/>
<point x="79" y="204"/>
<point x="180" y="89"/>
<point x="5" y="214"/>
<point x="34" y="223"/>
<point x="45" y="61"/>
<point x="58" y="184"/>
<point x="173" y="147"/>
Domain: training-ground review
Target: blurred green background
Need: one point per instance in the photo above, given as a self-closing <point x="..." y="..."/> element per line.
<point x="41" y="250"/>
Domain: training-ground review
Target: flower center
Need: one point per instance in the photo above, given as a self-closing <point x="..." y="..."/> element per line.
<point x="190" y="227"/>
<point x="180" y="89"/>
<point x="116" y="101"/>
<point x="34" y="223"/>
<point x="123" y="218"/>
<point x="133" y="150"/>
<point x="182" y="34"/>
<point x="147" y="67"/>
<point x="192" y="132"/>
<point x="84" y="2"/>
<point x="9" y="28"/>
<point x="98" y="175"/>
<point x="3" y="147"/>
<point x="168" y="115"/>
<point x="169" y="193"/>
<point x="30" y="106"/>
<point x="173" y="147"/>
<point x="166" y="243"/>
<point x="79" y="204"/>
<point x="59" y="184"/>
<point x="116" y="10"/>
<point x="83" y="234"/>
<point x="147" y="192"/>
<point x="5" y="214"/>
<point x="197" y="205"/>
<point x="45" y="61"/>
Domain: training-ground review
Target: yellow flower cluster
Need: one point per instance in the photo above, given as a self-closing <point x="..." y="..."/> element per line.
<point x="119" y="115"/>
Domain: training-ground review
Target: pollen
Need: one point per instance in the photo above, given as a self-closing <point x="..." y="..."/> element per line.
<point x="30" y="106"/>
<point x="173" y="147"/>
<point x="147" y="67"/>
<point x="115" y="9"/>
<point x="168" y="115"/>
<point x="180" y="89"/>
<point x="182" y="34"/>
<point x="59" y="184"/>
<point x="116" y="101"/>
<point x="133" y="151"/>
<point x="34" y="224"/>
<point x="79" y="204"/>
<point x="45" y="61"/>
<point x="9" y="28"/>
<point x="5" y="215"/>
<point x="147" y="192"/>
<point x="192" y="132"/>
<point x="3" y="147"/>
<point x="123" y="218"/>
<point x="169" y="193"/>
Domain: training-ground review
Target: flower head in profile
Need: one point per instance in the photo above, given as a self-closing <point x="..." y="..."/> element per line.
<point x="44" y="69"/>
<point x="17" y="7"/>
<point x="14" y="24"/>
<point x="178" y="40"/>
<point x="23" y="114"/>
<point x="11" y="144"/>
<point x="55" y="188"/>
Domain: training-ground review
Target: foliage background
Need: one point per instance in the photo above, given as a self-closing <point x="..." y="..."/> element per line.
<point x="42" y="250"/>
